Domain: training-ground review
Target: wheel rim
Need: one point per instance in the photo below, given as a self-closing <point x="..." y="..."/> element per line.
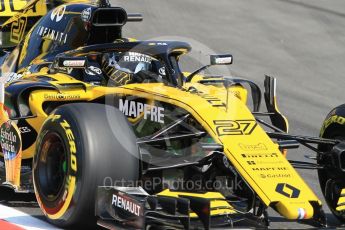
<point x="52" y="167"/>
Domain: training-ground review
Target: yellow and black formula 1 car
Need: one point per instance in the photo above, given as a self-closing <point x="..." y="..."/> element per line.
<point x="113" y="132"/>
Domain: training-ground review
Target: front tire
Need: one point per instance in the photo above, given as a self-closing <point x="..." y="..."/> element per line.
<point x="81" y="146"/>
<point x="330" y="177"/>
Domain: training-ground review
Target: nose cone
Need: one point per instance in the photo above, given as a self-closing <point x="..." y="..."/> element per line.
<point x="295" y="210"/>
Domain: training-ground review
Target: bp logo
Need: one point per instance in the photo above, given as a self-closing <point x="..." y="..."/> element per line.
<point x="287" y="190"/>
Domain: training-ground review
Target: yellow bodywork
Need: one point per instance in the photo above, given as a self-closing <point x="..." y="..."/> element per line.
<point x="17" y="16"/>
<point x="263" y="169"/>
<point x="10" y="8"/>
<point x="223" y="113"/>
<point x="28" y="8"/>
<point x="234" y="127"/>
<point x="341" y="201"/>
<point x="218" y="204"/>
<point x="22" y="8"/>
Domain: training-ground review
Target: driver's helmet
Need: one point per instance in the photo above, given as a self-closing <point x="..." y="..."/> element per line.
<point x="124" y="68"/>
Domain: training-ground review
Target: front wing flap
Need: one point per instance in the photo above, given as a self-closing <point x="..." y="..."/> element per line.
<point x="133" y="208"/>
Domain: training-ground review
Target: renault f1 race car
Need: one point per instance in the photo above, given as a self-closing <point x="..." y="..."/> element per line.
<point x="112" y="132"/>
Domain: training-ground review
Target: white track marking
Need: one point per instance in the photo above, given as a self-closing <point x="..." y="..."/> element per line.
<point x="22" y="219"/>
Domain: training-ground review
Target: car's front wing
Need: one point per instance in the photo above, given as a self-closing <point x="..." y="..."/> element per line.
<point x="133" y="208"/>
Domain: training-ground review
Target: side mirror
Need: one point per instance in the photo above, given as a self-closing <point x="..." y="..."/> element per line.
<point x="222" y="59"/>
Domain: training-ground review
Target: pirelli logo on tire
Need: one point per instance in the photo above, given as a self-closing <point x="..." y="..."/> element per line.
<point x="72" y="145"/>
<point x="234" y="127"/>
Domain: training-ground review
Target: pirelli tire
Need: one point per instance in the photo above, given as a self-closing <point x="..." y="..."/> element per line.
<point x="330" y="177"/>
<point x="79" y="147"/>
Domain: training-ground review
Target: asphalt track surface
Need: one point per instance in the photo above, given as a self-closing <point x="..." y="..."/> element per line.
<point x="301" y="42"/>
